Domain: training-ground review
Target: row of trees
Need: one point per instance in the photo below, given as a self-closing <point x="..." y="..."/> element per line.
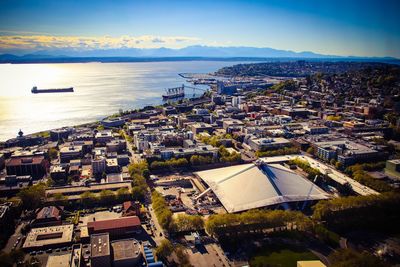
<point x="171" y="163"/>
<point x="278" y="152"/>
<point x="351" y="258"/>
<point x="140" y="168"/>
<point x="305" y="166"/>
<point x="372" y="212"/>
<point x="105" y="197"/>
<point x="197" y="160"/>
<point x="255" y="220"/>
<point x="160" y="207"/>
<point x="139" y="172"/>
<point x="359" y="173"/>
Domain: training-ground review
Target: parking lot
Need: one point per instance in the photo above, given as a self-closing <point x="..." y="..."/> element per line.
<point x="207" y="255"/>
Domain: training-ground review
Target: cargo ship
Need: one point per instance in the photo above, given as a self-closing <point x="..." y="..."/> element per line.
<point x="174" y="92"/>
<point x="35" y="90"/>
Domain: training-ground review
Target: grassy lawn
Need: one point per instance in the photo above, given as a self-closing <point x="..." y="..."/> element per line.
<point x="280" y="256"/>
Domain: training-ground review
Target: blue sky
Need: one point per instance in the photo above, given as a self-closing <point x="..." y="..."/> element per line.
<point x="352" y="27"/>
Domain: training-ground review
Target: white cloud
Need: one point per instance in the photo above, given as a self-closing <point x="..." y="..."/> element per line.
<point x="89" y="43"/>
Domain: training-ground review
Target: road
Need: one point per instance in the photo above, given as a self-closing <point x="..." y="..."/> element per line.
<point x="157" y="228"/>
<point x="16" y="237"/>
<point x="135" y="157"/>
<point x="340" y="177"/>
<point x="326" y="170"/>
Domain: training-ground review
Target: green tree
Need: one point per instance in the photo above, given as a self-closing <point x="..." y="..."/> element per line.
<point x="351" y="258"/>
<point x="278" y="152"/>
<point x="164" y="250"/>
<point x="107" y="196"/>
<point x="88" y="198"/>
<point x="50" y="182"/>
<point x="60" y="198"/>
<point x="123" y="194"/>
<point x="53" y="153"/>
<point x="161" y="209"/>
<point x="338" y="165"/>
<point x="354" y="212"/>
<point x="171" y="163"/>
<point x="140" y="168"/>
<point x="32" y="196"/>
<point x="221" y="224"/>
<point x="197" y="160"/>
<point x="182" y="256"/>
<point x="184" y="223"/>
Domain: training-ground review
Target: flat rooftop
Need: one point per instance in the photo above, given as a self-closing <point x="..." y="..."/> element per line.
<point x="126" y="249"/>
<point x="93" y="187"/>
<point x="100" y="245"/>
<point x="70" y="149"/>
<point x="118" y="223"/>
<point x="62" y="260"/>
<point x="51" y="235"/>
<point x="33" y="160"/>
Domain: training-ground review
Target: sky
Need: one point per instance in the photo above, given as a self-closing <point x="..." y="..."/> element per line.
<point x="330" y="27"/>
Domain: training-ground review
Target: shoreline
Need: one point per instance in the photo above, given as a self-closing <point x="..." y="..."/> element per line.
<point x="98" y="122"/>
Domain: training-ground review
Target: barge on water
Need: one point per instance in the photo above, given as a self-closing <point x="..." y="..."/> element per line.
<point x="174" y="92"/>
<point x="35" y="90"/>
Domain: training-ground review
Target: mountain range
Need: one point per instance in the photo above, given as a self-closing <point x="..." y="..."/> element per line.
<point x="161" y="54"/>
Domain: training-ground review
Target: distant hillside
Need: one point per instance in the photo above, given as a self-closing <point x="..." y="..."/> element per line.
<point x="190" y="51"/>
<point x="298" y="68"/>
<point x="168" y="54"/>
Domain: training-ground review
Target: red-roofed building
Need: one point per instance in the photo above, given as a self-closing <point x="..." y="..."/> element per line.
<point x="116" y="227"/>
<point x="48" y="216"/>
<point x="35" y="166"/>
<point x="131" y="208"/>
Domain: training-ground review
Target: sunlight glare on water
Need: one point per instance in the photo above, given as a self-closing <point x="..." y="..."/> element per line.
<point x="99" y="90"/>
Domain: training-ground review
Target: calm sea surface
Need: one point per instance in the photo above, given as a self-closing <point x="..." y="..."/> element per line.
<point x="100" y="90"/>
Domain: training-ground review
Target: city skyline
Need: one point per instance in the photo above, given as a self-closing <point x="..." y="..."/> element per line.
<point x="344" y="28"/>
